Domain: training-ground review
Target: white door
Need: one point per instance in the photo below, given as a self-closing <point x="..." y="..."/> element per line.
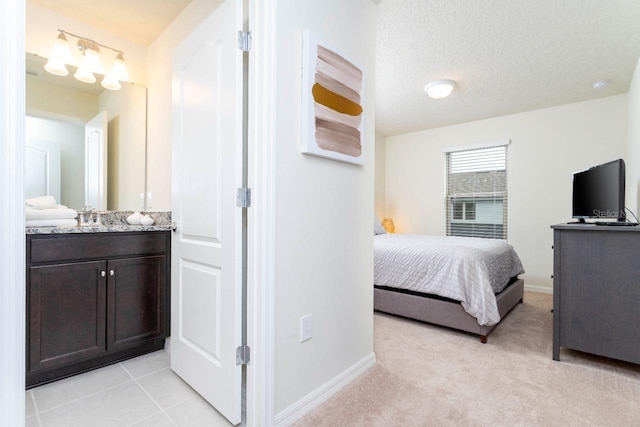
<point x="206" y="323"/>
<point x="95" y="162"/>
<point x="42" y="169"/>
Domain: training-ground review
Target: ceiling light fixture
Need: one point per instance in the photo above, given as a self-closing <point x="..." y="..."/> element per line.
<point x="440" y="88"/>
<point x="61" y="56"/>
<point x="600" y="84"/>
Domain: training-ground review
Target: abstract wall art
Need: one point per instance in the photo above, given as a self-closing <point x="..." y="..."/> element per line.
<point x="332" y="103"/>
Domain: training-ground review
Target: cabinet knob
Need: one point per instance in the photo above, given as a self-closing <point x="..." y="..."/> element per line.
<point x="103" y="273"/>
<point x="111" y="272"/>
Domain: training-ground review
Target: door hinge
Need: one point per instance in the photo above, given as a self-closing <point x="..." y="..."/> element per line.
<point x="244" y="41"/>
<point x="243" y="198"/>
<point x="243" y="355"/>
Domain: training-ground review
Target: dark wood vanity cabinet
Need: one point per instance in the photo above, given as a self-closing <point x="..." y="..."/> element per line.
<point x="94" y="299"/>
<point x="66" y="307"/>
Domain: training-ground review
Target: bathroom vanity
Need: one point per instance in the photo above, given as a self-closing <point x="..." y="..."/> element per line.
<point x="94" y="298"/>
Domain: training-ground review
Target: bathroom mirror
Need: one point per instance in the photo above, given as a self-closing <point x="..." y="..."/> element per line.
<point x="58" y="108"/>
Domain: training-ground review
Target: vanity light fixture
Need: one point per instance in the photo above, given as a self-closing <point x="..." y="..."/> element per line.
<point x="90" y="49"/>
<point x="440" y="88"/>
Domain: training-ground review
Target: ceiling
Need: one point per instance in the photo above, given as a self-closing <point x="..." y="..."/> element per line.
<point x="140" y="21"/>
<point x="506" y="56"/>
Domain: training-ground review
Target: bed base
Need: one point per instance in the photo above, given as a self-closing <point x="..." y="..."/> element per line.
<point x="445" y="313"/>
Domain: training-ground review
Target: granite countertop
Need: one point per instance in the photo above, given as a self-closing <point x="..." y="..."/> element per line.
<point x="112" y="222"/>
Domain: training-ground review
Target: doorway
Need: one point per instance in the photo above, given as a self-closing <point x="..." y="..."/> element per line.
<point x="260" y="399"/>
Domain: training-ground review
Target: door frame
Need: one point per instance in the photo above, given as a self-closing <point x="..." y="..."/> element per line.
<point x="12" y="244"/>
<point x="261" y="235"/>
<point x="261" y="228"/>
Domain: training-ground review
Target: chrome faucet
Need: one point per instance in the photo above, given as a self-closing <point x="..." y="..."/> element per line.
<point x="89" y="217"/>
<point x="95" y="217"/>
<point x="83" y="216"/>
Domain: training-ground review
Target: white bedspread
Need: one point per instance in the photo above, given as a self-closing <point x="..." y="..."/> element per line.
<point x="469" y="270"/>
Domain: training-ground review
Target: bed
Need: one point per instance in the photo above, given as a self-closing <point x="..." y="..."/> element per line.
<point x="468" y="284"/>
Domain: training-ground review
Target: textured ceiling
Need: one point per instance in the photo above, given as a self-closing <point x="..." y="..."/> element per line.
<point x="506" y="56"/>
<point x="140" y="21"/>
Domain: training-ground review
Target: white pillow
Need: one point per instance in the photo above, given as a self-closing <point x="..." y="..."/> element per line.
<point x="377" y="226"/>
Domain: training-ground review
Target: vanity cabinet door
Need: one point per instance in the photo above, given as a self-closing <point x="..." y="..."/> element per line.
<point x="66" y="313"/>
<point x="136" y="295"/>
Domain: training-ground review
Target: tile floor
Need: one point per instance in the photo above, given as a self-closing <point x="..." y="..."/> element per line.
<point x="137" y="392"/>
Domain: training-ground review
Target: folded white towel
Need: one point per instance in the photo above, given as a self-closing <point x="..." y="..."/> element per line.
<point x="51" y="223"/>
<point x="42" y="202"/>
<point x="57" y="213"/>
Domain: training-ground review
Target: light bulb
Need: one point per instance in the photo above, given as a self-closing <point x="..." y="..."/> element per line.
<point x="60" y="55"/>
<point x="56" y="66"/>
<point x="111" y="83"/>
<point x="85" y="75"/>
<point x="119" y="70"/>
<point x="61" y="49"/>
<point x="92" y="60"/>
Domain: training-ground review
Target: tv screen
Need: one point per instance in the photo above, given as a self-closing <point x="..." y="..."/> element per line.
<point x="598" y="192"/>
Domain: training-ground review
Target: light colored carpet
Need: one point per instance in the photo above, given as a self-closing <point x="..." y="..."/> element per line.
<point x="432" y="376"/>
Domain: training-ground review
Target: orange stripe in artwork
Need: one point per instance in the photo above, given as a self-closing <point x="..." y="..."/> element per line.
<point x="337" y="87"/>
<point x="334" y="101"/>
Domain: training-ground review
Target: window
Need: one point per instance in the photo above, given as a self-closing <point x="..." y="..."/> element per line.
<point x="464" y="210"/>
<point x="477" y="192"/>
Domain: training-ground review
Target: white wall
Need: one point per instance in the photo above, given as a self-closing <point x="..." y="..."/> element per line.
<point x="159" y="62"/>
<point x="633" y="149"/>
<point x="547" y="146"/>
<point x="324" y="241"/>
<point x="379" y="180"/>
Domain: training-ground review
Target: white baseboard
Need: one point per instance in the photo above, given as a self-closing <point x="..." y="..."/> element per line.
<point x="539" y="289"/>
<point x="322" y="394"/>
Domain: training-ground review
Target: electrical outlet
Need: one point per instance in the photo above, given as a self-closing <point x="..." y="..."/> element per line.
<point x="306" y="327"/>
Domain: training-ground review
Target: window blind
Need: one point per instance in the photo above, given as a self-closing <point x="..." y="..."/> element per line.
<point x="476" y="199"/>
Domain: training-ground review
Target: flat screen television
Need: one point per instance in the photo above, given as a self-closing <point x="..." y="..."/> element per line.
<point x="598" y="192"/>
